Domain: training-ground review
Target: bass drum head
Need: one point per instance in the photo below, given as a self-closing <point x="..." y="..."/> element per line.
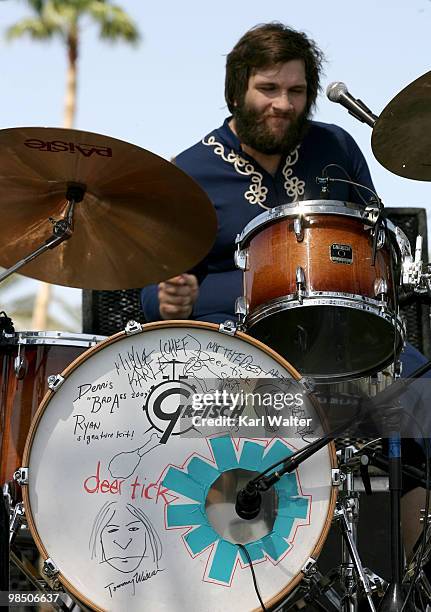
<point x="136" y="510"/>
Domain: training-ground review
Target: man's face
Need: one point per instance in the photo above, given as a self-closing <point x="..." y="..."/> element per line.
<point x="124" y="541"/>
<point x="272" y="117"/>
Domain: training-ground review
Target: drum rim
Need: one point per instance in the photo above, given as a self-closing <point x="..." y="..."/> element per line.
<point x="309" y="207"/>
<point x="325" y="298"/>
<point x="60" y="338"/>
<point x="278" y="598"/>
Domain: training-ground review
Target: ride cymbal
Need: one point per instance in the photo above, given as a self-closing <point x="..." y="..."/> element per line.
<point x="401" y="139"/>
<point x="141" y="220"/>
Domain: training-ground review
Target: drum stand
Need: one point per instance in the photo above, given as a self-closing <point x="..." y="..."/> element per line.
<point x="347" y="515"/>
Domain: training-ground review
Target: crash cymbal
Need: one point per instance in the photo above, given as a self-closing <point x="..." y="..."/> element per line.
<point x="142" y="219"/>
<point x="401" y="139"/>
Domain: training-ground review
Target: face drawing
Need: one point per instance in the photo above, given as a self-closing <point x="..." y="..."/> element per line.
<point x="124" y="538"/>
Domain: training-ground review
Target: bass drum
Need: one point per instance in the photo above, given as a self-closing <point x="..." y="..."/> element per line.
<point x="132" y="500"/>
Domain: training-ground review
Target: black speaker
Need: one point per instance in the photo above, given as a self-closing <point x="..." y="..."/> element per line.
<point x="107" y="312"/>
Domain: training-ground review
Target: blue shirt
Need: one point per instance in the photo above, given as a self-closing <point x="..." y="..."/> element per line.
<point x="236" y="184"/>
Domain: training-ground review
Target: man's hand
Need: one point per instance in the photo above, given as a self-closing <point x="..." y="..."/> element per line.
<point x="177" y="296"/>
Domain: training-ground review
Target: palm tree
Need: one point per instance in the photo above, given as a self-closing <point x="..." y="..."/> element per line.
<point x="63" y="19"/>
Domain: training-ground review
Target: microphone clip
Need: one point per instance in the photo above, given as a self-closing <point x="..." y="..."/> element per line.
<point x="323" y="181"/>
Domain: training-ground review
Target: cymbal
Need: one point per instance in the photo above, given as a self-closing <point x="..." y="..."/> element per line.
<point x="142" y="219"/>
<point x="401" y="139"/>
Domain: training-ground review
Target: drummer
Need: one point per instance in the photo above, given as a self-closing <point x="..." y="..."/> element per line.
<point x="268" y="152"/>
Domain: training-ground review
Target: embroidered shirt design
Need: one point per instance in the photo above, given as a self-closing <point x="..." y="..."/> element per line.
<point x="256" y="192"/>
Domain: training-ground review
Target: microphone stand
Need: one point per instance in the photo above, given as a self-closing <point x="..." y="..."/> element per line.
<point x="250" y="495"/>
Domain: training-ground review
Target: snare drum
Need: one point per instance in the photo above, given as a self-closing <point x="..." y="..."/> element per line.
<point x="312" y="293"/>
<point x="135" y="508"/>
<point x="26" y="362"/>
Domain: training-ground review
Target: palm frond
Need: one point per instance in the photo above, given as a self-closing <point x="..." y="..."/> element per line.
<point x="114" y="22"/>
<point x="37" y="29"/>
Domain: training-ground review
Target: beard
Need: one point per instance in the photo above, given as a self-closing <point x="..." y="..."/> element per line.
<point x="253" y="131"/>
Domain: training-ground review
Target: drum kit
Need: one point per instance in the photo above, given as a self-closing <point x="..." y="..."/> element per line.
<point x="130" y="501"/>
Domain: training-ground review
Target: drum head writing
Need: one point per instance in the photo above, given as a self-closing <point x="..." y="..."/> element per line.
<point x="128" y="496"/>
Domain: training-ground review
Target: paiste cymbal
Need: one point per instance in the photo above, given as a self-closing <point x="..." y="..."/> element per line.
<point x="142" y="219"/>
<point x="401" y="139"/>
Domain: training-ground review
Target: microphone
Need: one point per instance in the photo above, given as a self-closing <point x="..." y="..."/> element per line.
<point x="338" y="92"/>
<point x="248" y="502"/>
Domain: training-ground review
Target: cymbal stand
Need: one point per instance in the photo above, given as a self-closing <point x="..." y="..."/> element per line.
<point x="347" y="514"/>
<point x="62" y="229"/>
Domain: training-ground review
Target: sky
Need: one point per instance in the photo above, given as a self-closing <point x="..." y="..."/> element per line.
<point x="166" y="93"/>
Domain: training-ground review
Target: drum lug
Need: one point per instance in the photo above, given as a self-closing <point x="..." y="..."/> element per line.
<point x="309" y="567"/>
<point x="307" y="383"/>
<point x="241" y="258"/>
<point x="381" y="238"/>
<point x="55" y="381"/>
<point x="380" y="287"/>
<point x="337" y="477"/>
<point x="300" y="283"/>
<point x="241" y="307"/>
<point x="228" y="327"/>
<point x="133" y="327"/>
<point x="298" y="229"/>
<point x="50" y="569"/>
<point x="21" y="476"/>
<point x="19" y="365"/>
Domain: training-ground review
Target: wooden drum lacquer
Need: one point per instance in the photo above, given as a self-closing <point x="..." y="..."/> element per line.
<point x="313" y="293"/>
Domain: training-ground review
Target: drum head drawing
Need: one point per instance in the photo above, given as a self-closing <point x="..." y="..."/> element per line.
<point x="134" y="503"/>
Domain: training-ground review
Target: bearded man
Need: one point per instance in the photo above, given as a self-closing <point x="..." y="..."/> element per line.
<point x="267" y="153"/>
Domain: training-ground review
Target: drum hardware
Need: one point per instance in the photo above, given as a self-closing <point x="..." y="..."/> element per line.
<point x="347" y="516"/>
<point x="228" y="327"/>
<point x="381" y="238"/>
<point x="352" y="562"/>
<point x="241" y="258"/>
<point x="17" y="520"/>
<point x="19" y="365"/>
<point x="30" y="572"/>
<point x="298" y="229"/>
<point x="241" y="309"/>
<point x="62" y="230"/>
<point x="380" y="288"/>
<point x="21" y="476"/>
<point x="132" y="328"/>
<point x="300" y="284"/>
<point x="55" y="381"/>
<point x="50" y="569"/>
